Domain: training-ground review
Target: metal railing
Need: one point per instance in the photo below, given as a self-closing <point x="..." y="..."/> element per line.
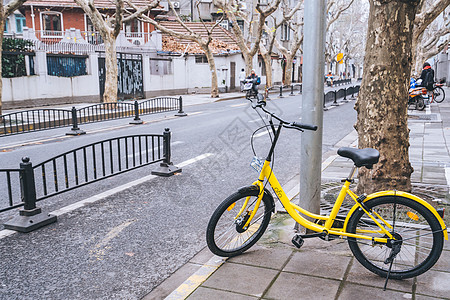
<point x="332" y="96"/>
<point x="95" y="162"/>
<point x="10" y="192"/>
<point x="40" y="119"/>
<point x="76" y="168"/>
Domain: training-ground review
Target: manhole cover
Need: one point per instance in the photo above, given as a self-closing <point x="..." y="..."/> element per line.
<point x="424" y="117"/>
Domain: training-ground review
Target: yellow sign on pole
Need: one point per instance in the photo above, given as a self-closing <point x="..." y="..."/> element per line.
<point x="339" y="58"/>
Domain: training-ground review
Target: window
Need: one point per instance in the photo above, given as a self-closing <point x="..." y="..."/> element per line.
<point x="161" y="67"/>
<point x="285" y="32"/>
<point x="6" y="25"/>
<point x="51" y="24"/>
<point x="201" y="59"/>
<point x="20" y="23"/>
<point x="133" y="26"/>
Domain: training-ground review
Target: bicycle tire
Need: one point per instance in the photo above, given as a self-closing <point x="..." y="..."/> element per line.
<point x="438" y="94"/>
<point x="224" y="218"/>
<point x="415" y="225"/>
<point x="420" y="103"/>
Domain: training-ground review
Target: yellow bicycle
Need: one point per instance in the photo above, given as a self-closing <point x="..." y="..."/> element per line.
<point x="392" y="233"/>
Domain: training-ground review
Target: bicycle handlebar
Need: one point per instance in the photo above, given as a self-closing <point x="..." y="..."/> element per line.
<point x="293" y="125"/>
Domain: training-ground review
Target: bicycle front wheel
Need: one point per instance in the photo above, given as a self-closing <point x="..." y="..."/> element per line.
<point x="420" y="103"/>
<point x="226" y="234"/>
<point x="438" y="94"/>
<point x="413" y="225"/>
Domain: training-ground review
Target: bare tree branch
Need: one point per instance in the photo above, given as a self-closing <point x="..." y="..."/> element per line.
<point x="12" y="6"/>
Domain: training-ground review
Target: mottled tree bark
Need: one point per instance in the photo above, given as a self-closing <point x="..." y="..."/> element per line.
<point x="267" y="62"/>
<point x="212" y="68"/>
<point x="110" y="94"/>
<point x="382" y="105"/>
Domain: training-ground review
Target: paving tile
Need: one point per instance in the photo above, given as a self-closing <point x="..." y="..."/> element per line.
<point x="297" y="286"/>
<point x="203" y="293"/>
<point x="318" y="264"/>
<point x="421" y="297"/>
<point x="242" y="279"/>
<point x="274" y="258"/>
<point x="443" y="264"/>
<point x="202" y="257"/>
<point x="360" y="275"/>
<point x="355" y="291"/>
<point x="434" y="283"/>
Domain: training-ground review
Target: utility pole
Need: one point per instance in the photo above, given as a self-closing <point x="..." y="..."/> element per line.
<point x="312" y="107"/>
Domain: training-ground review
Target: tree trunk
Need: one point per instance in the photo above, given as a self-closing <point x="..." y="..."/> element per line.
<point x="416" y="57"/>
<point x="288" y="70"/>
<point x="212" y="68"/>
<point x="267" y="62"/>
<point x="110" y="94"/>
<point x="248" y="59"/>
<point x="382" y="101"/>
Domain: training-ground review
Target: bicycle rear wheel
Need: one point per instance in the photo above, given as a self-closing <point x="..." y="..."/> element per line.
<point x="438" y="94"/>
<point x="415" y="226"/>
<point x="226" y="235"/>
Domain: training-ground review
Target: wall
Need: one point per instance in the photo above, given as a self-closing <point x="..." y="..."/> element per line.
<point x="42" y="89"/>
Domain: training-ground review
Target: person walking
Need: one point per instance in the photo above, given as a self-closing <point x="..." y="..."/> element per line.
<point x="242" y="79"/>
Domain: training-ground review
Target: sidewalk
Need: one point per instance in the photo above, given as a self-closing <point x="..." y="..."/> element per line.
<point x="275" y="269"/>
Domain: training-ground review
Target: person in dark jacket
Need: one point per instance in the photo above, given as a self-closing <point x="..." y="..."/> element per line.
<point x="427" y="77"/>
<point x="256" y="81"/>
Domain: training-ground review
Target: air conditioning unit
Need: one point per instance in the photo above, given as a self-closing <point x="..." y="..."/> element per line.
<point x="176" y="4"/>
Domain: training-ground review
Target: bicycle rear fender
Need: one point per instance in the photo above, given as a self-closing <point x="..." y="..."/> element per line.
<point x="401" y="194"/>
<point x="255" y="189"/>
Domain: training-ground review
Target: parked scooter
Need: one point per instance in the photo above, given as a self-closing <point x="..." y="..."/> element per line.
<point x="416" y="95"/>
<point x="250" y="92"/>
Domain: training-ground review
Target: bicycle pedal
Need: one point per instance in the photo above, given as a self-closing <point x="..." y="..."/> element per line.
<point x="298" y="241"/>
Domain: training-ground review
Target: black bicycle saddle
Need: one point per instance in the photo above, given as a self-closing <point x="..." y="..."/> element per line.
<point x="361" y="157"/>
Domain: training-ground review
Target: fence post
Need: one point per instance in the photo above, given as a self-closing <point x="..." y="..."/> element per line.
<point x="75" y="129"/>
<point x="166" y="168"/>
<point x="300" y="89"/>
<point x="292" y="90"/>
<point x="335" y="99"/>
<point x="281" y="92"/>
<point x="180" y="112"/>
<point x="30" y="217"/>
<point x="136" y="119"/>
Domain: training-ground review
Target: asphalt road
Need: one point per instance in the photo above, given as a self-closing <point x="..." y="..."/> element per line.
<point x="122" y="246"/>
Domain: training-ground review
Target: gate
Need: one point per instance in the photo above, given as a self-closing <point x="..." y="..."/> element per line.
<point x="129" y="80"/>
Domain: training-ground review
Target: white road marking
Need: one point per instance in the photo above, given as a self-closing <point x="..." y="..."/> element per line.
<point x="95" y="198"/>
<point x="100" y="249"/>
<point x="255" y="120"/>
<point x="447" y="175"/>
<point x="238" y="105"/>
<point x="261" y="134"/>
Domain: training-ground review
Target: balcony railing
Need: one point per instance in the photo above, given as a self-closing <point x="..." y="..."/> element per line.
<point x="91" y="37"/>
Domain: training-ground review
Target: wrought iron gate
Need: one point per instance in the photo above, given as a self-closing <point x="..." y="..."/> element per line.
<point x="130" y="84"/>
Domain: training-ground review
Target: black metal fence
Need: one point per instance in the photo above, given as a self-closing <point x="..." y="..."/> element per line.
<point x="40" y="119"/>
<point x="66" y="65"/>
<point x="81" y="166"/>
<point x="332" y="96"/>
